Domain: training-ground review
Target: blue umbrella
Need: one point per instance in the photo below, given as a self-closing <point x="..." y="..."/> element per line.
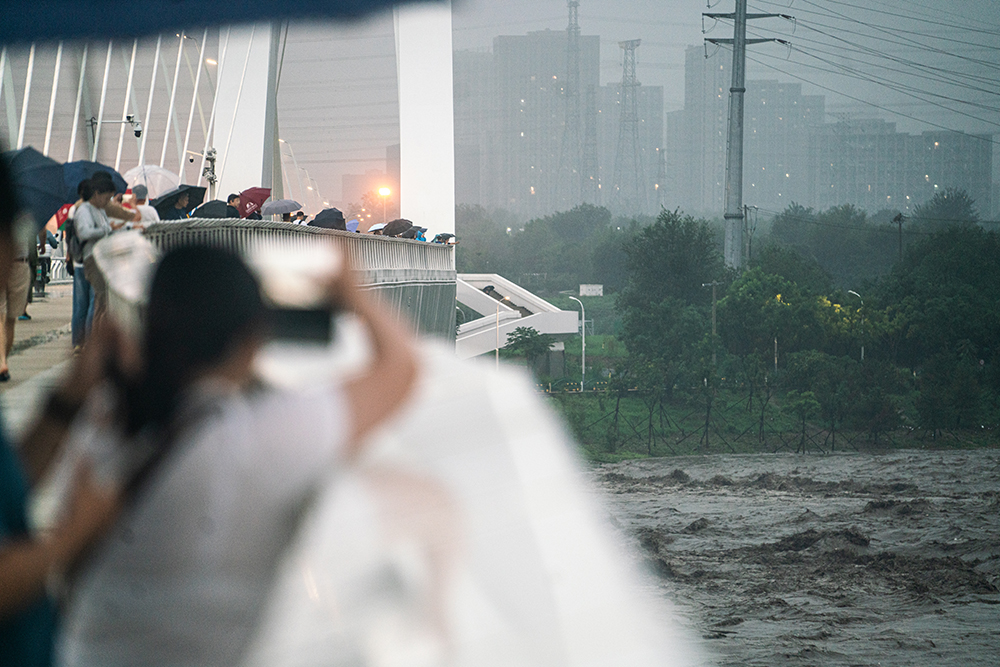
<point x="27" y="21"/>
<point x="38" y="181"/>
<point x="352" y="226"/>
<point x="75" y="173"/>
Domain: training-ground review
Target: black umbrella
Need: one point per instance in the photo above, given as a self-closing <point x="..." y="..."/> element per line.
<point x="329" y="218"/>
<point x="397" y="227"/>
<point x="38" y="181"/>
<point x="164" y="204"/>
<point x="76" y="172"/>
<point x="211" y="209"/>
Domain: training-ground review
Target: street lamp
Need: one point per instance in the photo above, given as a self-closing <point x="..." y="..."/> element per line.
<point x="384" y="194"/>
<point x="850" y="291"/>
<point x="583" y="362"/>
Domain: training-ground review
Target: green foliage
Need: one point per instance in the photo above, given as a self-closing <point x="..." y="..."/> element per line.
<point x="945" y="293"/>
<point x="759" y="307"/>
<point x="802" y="270"/>
<point x="671" y="259"/>
<point x="526" y="342"/>
<point x="948" y="207"/>
<point x="951" y="395"/>
<point x="841" y="240"/>
<point x="557" y="252"/>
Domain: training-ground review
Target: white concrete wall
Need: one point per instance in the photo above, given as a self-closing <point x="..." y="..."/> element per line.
<point x="426" y="115"/>
<point x="244" y="109"/>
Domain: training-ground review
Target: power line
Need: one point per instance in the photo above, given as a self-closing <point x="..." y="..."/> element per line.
<point x="873" y="105"/>
<point x="907" y="43"/>
<point x="901" y="88"/>
<point x="914" y="16"/>
<point x="898" y="87"/>
<point x="937" y="74"/>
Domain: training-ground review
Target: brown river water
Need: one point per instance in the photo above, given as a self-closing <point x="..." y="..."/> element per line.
<point x="846" y="559"/>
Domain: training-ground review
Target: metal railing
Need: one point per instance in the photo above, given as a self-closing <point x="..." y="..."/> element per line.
<point x="415" y="279"/>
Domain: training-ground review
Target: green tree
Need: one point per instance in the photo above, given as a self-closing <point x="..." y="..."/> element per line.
<point x="946" y="208"/>
<point x="832" y="381"/>
<point x="804" y="406"/>
<point x="945" y="291"/>
<point x="759" y="307"/>
<point x="526" y="342"/>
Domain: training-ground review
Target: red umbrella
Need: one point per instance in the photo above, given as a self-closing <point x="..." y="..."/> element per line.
<point x="252" y="199"/>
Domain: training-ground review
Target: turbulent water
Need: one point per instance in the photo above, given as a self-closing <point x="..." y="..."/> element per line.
<point x="849" y="559"/>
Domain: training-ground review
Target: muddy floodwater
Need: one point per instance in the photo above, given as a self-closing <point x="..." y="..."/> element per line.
<point x="847" y="559"/>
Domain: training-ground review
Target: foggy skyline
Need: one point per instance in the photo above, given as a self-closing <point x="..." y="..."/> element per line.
<point x="354" y="115"/>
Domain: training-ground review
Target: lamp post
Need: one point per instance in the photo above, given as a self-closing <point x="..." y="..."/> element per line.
<point x="583" y="327"/>
<point x="850" y="291"/>
<point x="384" y="194"/>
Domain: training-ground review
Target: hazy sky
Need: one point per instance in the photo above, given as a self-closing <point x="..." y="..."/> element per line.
<point x="926" y="65"/>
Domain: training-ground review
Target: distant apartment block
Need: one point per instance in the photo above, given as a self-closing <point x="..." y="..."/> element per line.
<point x="791" y="154"/>
<point x="510" y="127"/>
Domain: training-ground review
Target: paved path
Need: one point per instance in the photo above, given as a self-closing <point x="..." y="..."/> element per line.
<point x="42" y="348"/>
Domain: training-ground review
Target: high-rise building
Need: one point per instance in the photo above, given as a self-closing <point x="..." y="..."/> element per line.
<point x="530" y="72"/>
<point x="792" y="155"/>
<point x="475" y="116"/>
<point x="869" y="164"/>
<point x="777" y="123"/>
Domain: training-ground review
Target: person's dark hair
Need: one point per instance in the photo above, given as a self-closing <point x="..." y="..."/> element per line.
<point x="231" y="197"/>
<point x="203" y="304"/>
<point x="99" y="183"/>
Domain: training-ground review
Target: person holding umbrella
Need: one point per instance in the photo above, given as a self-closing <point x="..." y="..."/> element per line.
<point x="179" y="210"/>
<point x="233" y="206"/>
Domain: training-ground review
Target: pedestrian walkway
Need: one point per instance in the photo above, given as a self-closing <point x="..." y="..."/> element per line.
<point x="42" y="348"/>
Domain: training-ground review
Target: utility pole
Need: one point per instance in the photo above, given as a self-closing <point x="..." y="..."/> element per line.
<point x="629" y="191"/>
<point x="899" y="223"/>
<point x="589" y="190"/>
<point x="734" y="147"/>
<point x="713" y="285"/>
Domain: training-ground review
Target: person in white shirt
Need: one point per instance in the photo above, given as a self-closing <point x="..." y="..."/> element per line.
<point x="91" y="224"/>
<point x="214" y="467"/>
<point x="148" y="213"/>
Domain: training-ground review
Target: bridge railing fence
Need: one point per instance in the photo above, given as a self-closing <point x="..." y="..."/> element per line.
<point x="415" y="279"/>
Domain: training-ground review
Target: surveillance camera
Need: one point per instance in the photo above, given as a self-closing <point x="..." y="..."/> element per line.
<point x="137" y="128"/>
<point x="129" y="118"/>
<point x="191" y="159"/>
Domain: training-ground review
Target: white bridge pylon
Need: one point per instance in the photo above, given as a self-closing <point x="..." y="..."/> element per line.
<point x="246" y="123"/>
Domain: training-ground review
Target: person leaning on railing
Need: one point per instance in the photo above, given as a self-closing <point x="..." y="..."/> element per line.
<point x="91" y="223"/>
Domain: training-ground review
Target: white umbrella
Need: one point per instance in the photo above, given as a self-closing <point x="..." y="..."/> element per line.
<point x="156" y="179"/>
<point x="280" y="206"/>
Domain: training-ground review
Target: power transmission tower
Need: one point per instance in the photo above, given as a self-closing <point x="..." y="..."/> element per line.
<point x="570" y="153"/>
<point x="629" y="196"/>
<point x="734" y="146"/>
<point x="591" y="193"/>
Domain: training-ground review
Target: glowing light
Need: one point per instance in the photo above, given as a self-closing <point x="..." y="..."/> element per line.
<point x="385" y="192"/>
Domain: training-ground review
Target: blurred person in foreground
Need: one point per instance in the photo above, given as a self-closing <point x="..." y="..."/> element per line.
<point x="27" y="559"/>
<point x="14" y="293"/>
<point x="214" y="465"/>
